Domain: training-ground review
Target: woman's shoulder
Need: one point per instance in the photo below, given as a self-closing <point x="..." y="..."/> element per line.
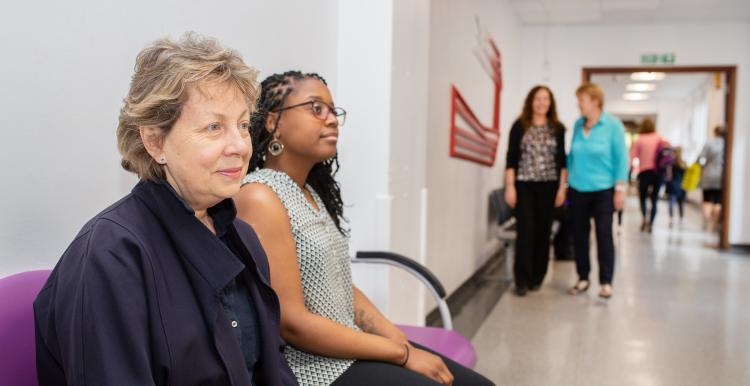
<point x="258" y="199"/>
<point x="111" y="243"/>
<point x="120" y="217"/>
<point x="256" y="192"/>
<point x="612" y="121"/>
<point x="268" y="185"/>
<point x="122" y="222"/>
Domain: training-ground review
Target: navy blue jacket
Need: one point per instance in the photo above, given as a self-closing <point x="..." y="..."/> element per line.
<point x="135" y="300"/>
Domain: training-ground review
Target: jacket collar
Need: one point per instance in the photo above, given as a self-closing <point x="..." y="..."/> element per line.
<point x="195" y="243"/>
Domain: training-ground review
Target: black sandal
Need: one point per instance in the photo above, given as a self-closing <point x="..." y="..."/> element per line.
<point x="578" y="288"/>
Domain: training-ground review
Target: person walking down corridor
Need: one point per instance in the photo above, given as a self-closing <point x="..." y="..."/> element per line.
<point x="597" y="174"/>
<point x="650" y="178"/>
<point x="677" y="194"/>
<point x="535" y="184"/>
<point x="711" y="159"/>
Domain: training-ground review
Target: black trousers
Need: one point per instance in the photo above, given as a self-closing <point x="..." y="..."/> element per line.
<point x="584" y="206"/>
<point x="649" y="183"/>
<point x="371" y="373"/>
<point x="534" y="211"/>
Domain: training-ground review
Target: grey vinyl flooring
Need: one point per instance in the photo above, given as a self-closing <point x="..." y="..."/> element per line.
<point x="680" y="315"/>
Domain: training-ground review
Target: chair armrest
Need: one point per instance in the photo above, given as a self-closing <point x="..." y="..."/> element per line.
<point x="405" y="263"/>
<point x="417" y="270"/>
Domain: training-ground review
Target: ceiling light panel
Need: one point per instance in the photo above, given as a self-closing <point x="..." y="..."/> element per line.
<point x="640" y="87"/>
<point x="647" y="76"/>
<point x="634" y="96"/>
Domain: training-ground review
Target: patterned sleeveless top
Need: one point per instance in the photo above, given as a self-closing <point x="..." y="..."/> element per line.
<point x="323" y="258"/>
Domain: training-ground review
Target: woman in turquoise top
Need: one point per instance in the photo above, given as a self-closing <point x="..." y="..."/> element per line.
<point x="597" y="174"/>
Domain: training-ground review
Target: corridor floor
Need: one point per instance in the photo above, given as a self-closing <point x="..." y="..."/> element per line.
<point x="680" y="315"/>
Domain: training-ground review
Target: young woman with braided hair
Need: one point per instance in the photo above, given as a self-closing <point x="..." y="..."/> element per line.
<point x="335" y="335"/>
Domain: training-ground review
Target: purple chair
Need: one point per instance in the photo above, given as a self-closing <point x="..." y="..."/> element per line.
<point x="442" y="340"/>
<point x="17" y="294"/>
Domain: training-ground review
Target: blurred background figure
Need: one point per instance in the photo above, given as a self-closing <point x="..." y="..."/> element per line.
<point x="674" y="179"/>
<point x="647" y="149"/>
<point x="711" y="159"/>
<point x="535" y="184"/>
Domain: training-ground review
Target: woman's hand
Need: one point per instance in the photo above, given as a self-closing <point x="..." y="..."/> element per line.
<point x="619" y="200"/>
<point x="510" y="195"/>
<point x="429" y="365"/>
<point x="560" y="197"/>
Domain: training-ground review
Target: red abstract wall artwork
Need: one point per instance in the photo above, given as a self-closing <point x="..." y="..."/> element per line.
<point x="470" y="139"/>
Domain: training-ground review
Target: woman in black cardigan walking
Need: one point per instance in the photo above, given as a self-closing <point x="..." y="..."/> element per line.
<point x="535" y="179"/>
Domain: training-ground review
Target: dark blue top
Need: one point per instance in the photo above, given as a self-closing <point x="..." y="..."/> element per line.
<point x="235" y="297"/>
<point x="242" y="318"/>
<point x="136" y="300"/>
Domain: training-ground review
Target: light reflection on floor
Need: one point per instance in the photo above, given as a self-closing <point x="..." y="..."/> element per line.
<point x="680" y="315"/>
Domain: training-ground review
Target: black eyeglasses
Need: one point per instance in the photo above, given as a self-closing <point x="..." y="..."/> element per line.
<point x="320" y="110"/>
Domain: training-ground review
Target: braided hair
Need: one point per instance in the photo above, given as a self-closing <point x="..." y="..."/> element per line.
<point x="274" y="91"/>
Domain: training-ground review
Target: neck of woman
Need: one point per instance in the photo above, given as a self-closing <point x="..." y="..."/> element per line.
<point x="205" y="219"/>
<point x="539" y="120"/>
<point x="201" y="213"/>
<point x="592" y="119"/>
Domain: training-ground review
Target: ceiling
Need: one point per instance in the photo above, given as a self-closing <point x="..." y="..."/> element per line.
<point x="675" y="86"/>
<point x="549" y="12"/>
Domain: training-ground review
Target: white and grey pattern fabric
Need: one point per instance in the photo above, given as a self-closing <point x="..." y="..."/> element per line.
<point x="538" y="149"/>
<point x="325" y="270"/>
<point x="712" y="156"/>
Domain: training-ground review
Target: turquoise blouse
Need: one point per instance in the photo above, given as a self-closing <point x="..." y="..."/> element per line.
<point x="600" y="160"/>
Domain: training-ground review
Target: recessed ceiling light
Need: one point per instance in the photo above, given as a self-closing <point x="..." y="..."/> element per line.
<point x="640" y="87"/>
<point x="634" y="96"/>
<point x="647" y="76"/>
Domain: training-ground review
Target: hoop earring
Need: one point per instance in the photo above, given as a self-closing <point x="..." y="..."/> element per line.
<point x="275" y="147"/>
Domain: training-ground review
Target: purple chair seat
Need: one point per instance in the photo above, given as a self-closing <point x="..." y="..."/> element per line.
<point x="449" y="343"/>
<point x="17" y="358"/>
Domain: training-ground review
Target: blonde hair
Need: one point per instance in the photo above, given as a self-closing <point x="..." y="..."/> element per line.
<point x="164" y="71"/>
<point x="593" y="91"/>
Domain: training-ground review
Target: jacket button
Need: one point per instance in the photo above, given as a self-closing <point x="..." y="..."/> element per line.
<point x="234" y="324"/>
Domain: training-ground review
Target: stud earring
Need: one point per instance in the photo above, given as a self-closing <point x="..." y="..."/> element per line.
<point x="163" y="160"/>
<point x="275" y="147"/>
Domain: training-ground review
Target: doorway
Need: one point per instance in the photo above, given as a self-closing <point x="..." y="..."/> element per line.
<point x="728" y="77"/>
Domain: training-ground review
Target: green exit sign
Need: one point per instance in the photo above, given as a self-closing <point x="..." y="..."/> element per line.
<point x="654" y="59"/>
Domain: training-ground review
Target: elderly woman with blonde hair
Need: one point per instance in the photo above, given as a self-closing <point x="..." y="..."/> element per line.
<point x="166" y="286"/>
<point x="597" y="178"/>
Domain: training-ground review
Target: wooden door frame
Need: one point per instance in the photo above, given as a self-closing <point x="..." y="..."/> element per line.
<point x="730" y="74"/>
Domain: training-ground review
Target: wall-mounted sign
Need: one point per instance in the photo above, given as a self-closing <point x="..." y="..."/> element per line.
<point x="656" y="59"/>
<point x="470" y="139"/>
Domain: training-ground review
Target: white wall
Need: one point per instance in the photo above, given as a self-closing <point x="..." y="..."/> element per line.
<point x="457" y="242"/>
<point x="437" y="206"/>
<point x="66" y="67"/>
<point x="407" y="174"/>
<point x="364" y="65"/>
<point x="570" y="48"/>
